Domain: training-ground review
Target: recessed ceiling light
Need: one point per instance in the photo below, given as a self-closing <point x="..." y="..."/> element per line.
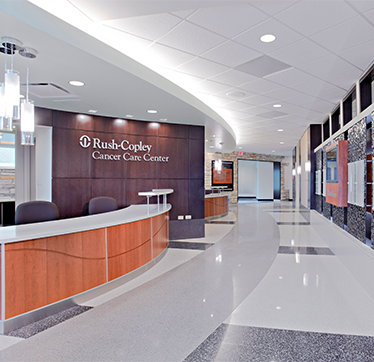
<point x="213" y="135"/>
<point x="206" y="140"/>
<point x="211" y="146"/>
<point x="152" y="111"/>
<point x="240" y="148"/>
<point x="163" y="119"/>
<point x="277" y="105"/>
<point x="282" y="143"/>
<point x="280" y="130"/>
<point x="268" y="38"/>
<point x="76" y="83"/>
<point x="92" y="111"/>
<point x="130" y="116"/>
<point x="273" y="151"/>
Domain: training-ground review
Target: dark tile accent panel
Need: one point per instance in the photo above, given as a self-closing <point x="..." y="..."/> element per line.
<point x="356" y="222"/>
<point x="189" y="245"/>
<point x="293" y="223"/>
<point x="187" y="229"/>
<point x="356" y="216"/>
<point x="307" y="250"/>
<point x="197" y="132"/>
<point x="319" y="160"/>
<point x="338" y="216"/>
<point x="142" y="128"/>
<point x="43" y="117"/>
<point x="143" y="169"/>
<point x="196" y="162"/>
<point x="110" y="187"/>
<point x="319" y="204"/>
<point x="71" y="120"/>
<point x="196" y="190"/>
<point x="51" y="321"/>
<point x="220" y="222"/>
<point x="326" y="209"/>
<point x="69" y="159"/>
<point x="173" y="130"/>
<point x="229" y="343"/>
<point x="109" y="125"/>
<point x="72" y="195"/>
<point x="177" y="167"/>
<point x="179" y="198"/>
<point x="133" y="186"/>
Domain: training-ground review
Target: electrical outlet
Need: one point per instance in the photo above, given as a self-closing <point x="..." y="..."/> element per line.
<point x="188" y="217"/>
<point x="180" y="217"/>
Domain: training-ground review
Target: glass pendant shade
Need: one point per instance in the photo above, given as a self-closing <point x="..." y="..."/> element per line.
<point x="2" y="100"/>
<point x="27" y="123"/>
<point x="12" y="92"/>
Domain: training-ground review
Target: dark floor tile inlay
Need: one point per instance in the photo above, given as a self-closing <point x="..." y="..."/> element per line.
<point x="189" y="245"/>
<point x="293" y="223"/>
<point x="220" y="222"/>
<point x="307" y="250"/>
<point x="300" y="211"/>
<point x="229" y="343"/>
<point x="40" y="326"/>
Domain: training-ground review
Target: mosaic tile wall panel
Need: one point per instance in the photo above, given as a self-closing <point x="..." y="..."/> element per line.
<point x="356" y="215"/>
<point x="7" y="184"/>
<point x="338" y="212"/>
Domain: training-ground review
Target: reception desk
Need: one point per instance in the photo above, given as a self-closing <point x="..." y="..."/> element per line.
<point x="217" y="205"/>
<point x="48" y="266"/>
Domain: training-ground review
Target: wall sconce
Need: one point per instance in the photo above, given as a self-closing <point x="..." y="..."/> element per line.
<point x="299" y="170"/>
<point x="308" y="166"/>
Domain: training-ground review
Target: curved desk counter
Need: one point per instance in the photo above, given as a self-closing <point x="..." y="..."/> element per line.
<point x="45" y="265"/>
<point x="217" y="205"/>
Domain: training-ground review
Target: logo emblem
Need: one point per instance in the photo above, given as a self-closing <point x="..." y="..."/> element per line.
<point x="85" y="141"/>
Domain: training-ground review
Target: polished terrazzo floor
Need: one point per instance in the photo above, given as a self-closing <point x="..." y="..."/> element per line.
<point x="263" y="285"/>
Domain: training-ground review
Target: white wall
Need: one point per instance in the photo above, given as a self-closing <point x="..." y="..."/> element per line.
<point x="265" y="180"/>
<point x="247" y="178"/>
<point x="34" y="167"/>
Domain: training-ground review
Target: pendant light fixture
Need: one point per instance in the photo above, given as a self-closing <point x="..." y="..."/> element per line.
<point x="27" y="105"/>
<point x="11" y="86"/>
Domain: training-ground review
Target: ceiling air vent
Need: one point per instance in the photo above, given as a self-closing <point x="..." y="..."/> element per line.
<point x="48" y="90"/>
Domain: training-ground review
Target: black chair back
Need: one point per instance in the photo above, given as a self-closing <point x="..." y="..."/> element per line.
<point x="36" y="211"/>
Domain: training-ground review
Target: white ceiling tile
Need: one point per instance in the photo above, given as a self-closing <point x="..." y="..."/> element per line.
<point x="165" y="56"/>
<point x="259" y="100"/>
<point x="272" y="7"/>
<point x="345" y="35"/>
<point x="184" y="14"/>
<point x="282" y="93"/>
<point x="290" y="76"/>
<point x="324" y="66"/>
<point x="361" y="55"/>
<point x="299" y="52"/>
<point x="260" y="86"/>
<point x="228" y="21"/>
<point x="313" y="87"/>
<point x="310" y="17"/>
<point x="284" y="34"/>
<point x="233" y="77"/>
<point x="202" y="68"/>
<point x="345" y="79"/>
<point x="362" y="5"/>
<point x="150" y="27"/>
<point x="332" y="93"/>
<point x="191" y="39"/>
<point x="320" y="106"/>
<point x="210" y="87"/>
<point x="236" y="106"/>
<point x="231" y="54"/>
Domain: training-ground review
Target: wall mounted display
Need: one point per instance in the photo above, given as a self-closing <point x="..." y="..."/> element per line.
<point x="337" y="173"/>
<point x="356" y="183"/>
<point x="318" y="182"/>
<point x="223" y="174"/>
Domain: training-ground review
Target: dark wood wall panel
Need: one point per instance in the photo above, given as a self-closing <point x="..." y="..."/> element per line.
<point x="70" y="195"/>
<point x="68" y="160"/>
<point x="77" y="177"/>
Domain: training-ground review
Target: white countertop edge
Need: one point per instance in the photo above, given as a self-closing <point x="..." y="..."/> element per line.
<point x="211" y="196"/>
<point x="12" y="234"/>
